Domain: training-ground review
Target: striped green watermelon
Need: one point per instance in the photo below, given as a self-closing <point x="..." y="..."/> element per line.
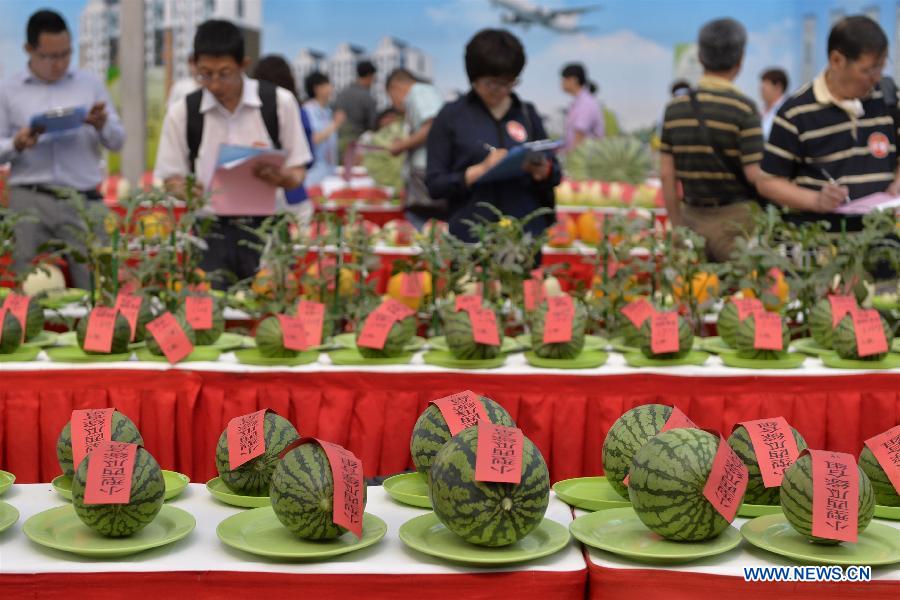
<point x="122" y="429"/>
<point x="10" y="334"/>
<point x="145" y="315"/>
<point x="148" y="489"/>
<point x="153" y="345"/>
<point x="757" y="492"/>
<point x="668" y="475"/>
<point x="745" y="340"/>
<point x="400" y="335"/>
<point x="121" y="335"/>
<point x="844" y="341"/>
<point x="302" y="494"/>
<point x="461" y="341"/>
<point x="797" y="499"/>
<point x="252" y="478"/>
<point x="206" y="337"/>
<point x="626" y="436"/>
<point x="727" y="324"/>
<point x="569" y="349"/>
<point x="270" y="339"/>
<point x="885" y="494"/>
<point x="431" y="432"/>
<point x="820" y="323"/>
<point x="34" y="319"/>
<point x="685" y="340"/>
<point x="487" y="514"/>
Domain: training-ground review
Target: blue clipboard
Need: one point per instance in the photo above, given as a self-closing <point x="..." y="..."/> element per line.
<point x="512" y="166"/>
<point x="61" y="119"/>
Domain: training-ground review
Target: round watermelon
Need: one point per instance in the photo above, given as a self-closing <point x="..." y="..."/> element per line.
<point x="797" y="499"/>
<point x="148" y="490"/>
<point x="569" y="349"/>
<point x="34" y="319"/>
<point x="685" y="341"/>
<point x="10" y="334"/>
<point x="483" y="513"/>
<point x="206" y="337"/>
<point x="757" y="492"/>
<point x="844" y="340"/>
<point x="145" y="315"/>
<point x="745" y="341"/>
<point x="154" y="347"/>
<point x="885" y="494"/>
<point x="626" y="436"/>
<point x="401" y="333"/>
<point x="121" y="428"/>
<point x="120" y="339"/>
<point x="252" y="478"/>
<point x="668" y="475"/>
<point x="302" y="494"/>
<point x="431" y="432"/>
<point x="270" y="339"/>
<point x="820" y="323"/>
<point x="727" y="324"/>
<point x="461" y="340"/>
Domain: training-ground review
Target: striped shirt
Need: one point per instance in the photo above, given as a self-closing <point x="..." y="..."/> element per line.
<point x="853" y="141"/>
<point x="733" y="122"/>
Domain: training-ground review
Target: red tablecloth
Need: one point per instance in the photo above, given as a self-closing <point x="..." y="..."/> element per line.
<point x="182" y="413"/>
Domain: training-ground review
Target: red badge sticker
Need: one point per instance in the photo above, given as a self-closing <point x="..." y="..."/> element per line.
<point x="516" y="131"/>
<point x="313" y="316"/>
<point x="558" y="323"/>
<point x="747" y="307"/>
<point x="129" y="306"/>
<point x="461" y="410"/>
<point x="89" y="428"/>
<point x="727" y="481"/>
<point x="840" y="307"/>
<point x="172" y="339"/>
<point x="664" y="333"/>
<point x="199" y="311"/>
<point x="349" y="487"/>
<point x="879" y="145"/>
<point x="886" y="448"/>
<point x="835" y="495"/>
<point x="484" y="326"/>
<point x="870" y="338"/>
<point x="775" y="447"/>
<point x="499" y="455"/>
<point x="246" y="438"/>
<point x="101" y="325"/>
<point x="293" y="334"/>
<point x="767" y="334"/>
<point x="467" y="302"/>
<point x="18" y="306"/>
<point x="109" y="474"/>
<point x="638" y="311"/>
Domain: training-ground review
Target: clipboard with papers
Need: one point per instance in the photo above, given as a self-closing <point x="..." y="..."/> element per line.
<point x="236" y="190"/>
<point x="867" y="204"/>
<point x="59" y="119"/>
<point x="513" y="165"/>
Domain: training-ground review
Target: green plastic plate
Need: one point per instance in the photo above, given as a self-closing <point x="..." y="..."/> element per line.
<point x="440" y="358"/>
<point x="348" y="340"/>
<point x="758" y="510"/>
<point x="230" y="341"/>
<point x="409" y="488"/>
<point x="429" y="536"/>
<point x="879" y="544"/>
<point x="6" y="481"/>
<point x="589" y="493"/>
<point x="8" y="516"/>
<point x="895" y="346"/>
<point x="259" y="532"/>
<point x="176" y="483"/>
<point x="22" y="354"/>
<point x="352" y="357"/>
<point x="620" y="531"/>
<point x="792" y="360"/>
<point x="588" y="359"/>
<point x="618" y="344"/>
<point x="43" y="339"/>
<point x="886" y="302"/>
<point x="74" y="354"/>
<point x="809" y="346"/>
<point x="891" y="513"/>
<point x="60" y="298"/>
<point x="220" y="492"/>
<point x="891" y="361"/>
<point x="716" y="345"/>
<point x="695" y="358"/>
<point x="61" y="529"/>
<point x="251" y="356"/>
<point x="199" y="354"/>
<point x="69" y="338"/>
<point x="508" y="344"/>
<point x="591" y="342"/>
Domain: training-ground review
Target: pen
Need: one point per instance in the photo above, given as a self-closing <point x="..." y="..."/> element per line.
<point x="832" y="181"/>
<point x="488" y="147"/>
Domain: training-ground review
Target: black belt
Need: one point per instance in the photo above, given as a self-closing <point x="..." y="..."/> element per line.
<point x="59" y="192"/>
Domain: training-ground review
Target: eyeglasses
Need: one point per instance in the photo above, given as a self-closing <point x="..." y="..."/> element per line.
<point x="492" y="84"/>
<point x="220" y="76"/>
<point x="55" y="57"/>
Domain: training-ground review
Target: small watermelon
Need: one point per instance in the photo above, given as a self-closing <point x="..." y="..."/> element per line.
<point x="844" y="341"/>
<point x="153" y="345"/>
<point x="145" y="315"/>
<point x="727" y="324"/>
<point x="626" y="436"/>
<point x="252" y="478"/>
<point x="885" y="494"/>
<point x="122" y="429"/>
<point x="745" y="341"/>
<point x="302" y="494"/>
<point x="34" y="319"/>
<point x="401" y="333"/>
<point x="148" y="490"/>
<point x="206" y="337"/>
<point x="757" y="492"/>
<point x="270" y="339"/>
<point x="569" y="349"/>
<point x="487" y="514"/>
<point x="820" y="323"/>
<point x="668" y="476"/>
<point x="685" y="341"/>
<point x="10" y="334"/>
<point x="121" y="335"/>
<point x="461" y="341"/>
<point x="431" y="432"/>
<point x="797" y="499"/>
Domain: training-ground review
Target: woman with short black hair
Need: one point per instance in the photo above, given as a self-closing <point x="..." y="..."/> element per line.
<point x="584" y="119"/>
<point x="324" y="126"/>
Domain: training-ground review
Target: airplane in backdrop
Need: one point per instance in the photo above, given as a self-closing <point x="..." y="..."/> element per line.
<point x="525" y="13"/>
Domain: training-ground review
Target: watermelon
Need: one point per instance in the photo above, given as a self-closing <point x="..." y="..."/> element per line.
<point x="400" y="335"/>
<point x="626" y="436"/>
<point x="431" y="432"/>
<point x="10" y="334"/>
<point x="745" y="340"/>
<point x="685" y="341"/>
<point x="668" y="475"/>
<point x="122" y="429"/>
<point x="121" y="335"/>
<point x="153" y="345"/>
<point x="482" y="513"/>
<point x="844" y="341"/>
<point x="145" y="315"/>
<point x="302" y="494"/>
<point x="461" y="341"/>
<point x="206" y="337"/>
<point x="34" y="319"/>
<point x="727" y="324"/>
<point x="252" y="478"/>
<point x="148" y="490"/>
<point x="820" y="323"/>
<point x="797" y="499"/>
<point x="270" y="339"/>
<point x="569" y="349"/>
<point x="757" y="492"/>
<point x="885" y="494"/>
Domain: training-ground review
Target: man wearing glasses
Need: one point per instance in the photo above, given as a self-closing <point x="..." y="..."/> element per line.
<point x="44" y="166"/>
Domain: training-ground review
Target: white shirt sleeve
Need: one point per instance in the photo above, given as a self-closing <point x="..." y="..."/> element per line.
<point x="172" y="154"/>
<point x="293" y="138"/>
<point x="112" y="135"/>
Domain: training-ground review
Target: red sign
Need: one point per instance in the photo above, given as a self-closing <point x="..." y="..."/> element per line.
<point x="18" y="306"/>
<point x="89" y="428"/>
<point x="499" y="455"/>
<point x="313" y="316"/>
<point x="870" y="338"/>
<point x="886" y="448"/>
<point x="484" y="326"/>
<point x="835" y="495"/>
<point x="100" y="329"/>
<point x="293" y="334"/>
<point x="767" y="334"/>
<point x="375" y="330"/>
<point x="467" y="302"/>
<point x="774" y="446"/>
<point x="109" y="474"/>
<point x="727" y="481"/>
<point x="461" y="410"/>
<point x="411" y="285"/>
<point x="664" y="333"/>
<point x="172" y="339"/>
<point x="246" y="438"/>
<point x="533" y="291"/>
<point x="747" y="307"/>
<point x="559" y="319"/>
<point x="349" y="487"/>
<point x="638" y="311"/>
<point x="130" y="307"/>
<point x="840" y="306"/>
<point x="199" y="311"/>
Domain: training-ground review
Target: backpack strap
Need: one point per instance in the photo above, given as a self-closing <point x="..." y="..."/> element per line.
<point x="268" y="95"/>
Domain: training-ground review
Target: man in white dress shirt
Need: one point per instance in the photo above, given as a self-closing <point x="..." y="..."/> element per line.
<point x="773" y="85"/>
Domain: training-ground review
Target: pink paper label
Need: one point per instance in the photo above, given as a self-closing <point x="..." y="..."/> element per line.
<point x="484" y="326"/>
<point x="727" y="481"/>
<point x="199" y="311"/>
<point x="747" y="307"/>
<point x="533" y="290"/>
<point x="559" y="319"/>
<point x="870" y="338"/>
<point x="775" y="447"/>
<point x="499" y="455"/>
<point x="293" y="334"/>
<point x="109" y="473"/>
<point x="678" y="420"/>
<point x="313" y="316"/>
<point x="375" y="330"/>
<point x="130" y="307"/>
<point x="840" y="306"/>
<point x="411" y="285"/>
<point x="461" y="410"/>
<point x="246" y="438"/>
<point x="396" y="310"/>
<point x="100" y="329"/>
<point x="835" y="495"/>
<point x="886" y="448"/>
<point x="18" y="306"/>
<point x="467" y="302"/>
<point x="89" y="428"/>
<point x="664" y="333"/>
<point x="638" y="311"/>
<point x="767" y="333"/>
<point x="172" y="339"/>
<point x="349" y="487"/>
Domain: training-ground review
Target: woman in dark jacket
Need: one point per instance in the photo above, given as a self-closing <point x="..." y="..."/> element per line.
<point x="472" y="134"/>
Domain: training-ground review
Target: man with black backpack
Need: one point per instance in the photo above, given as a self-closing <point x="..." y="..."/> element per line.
<point x="712" y="144"/>
<point x="230" y="109"/>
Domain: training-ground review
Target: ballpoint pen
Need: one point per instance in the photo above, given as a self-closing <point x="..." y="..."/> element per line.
<point x="832" y="181"/>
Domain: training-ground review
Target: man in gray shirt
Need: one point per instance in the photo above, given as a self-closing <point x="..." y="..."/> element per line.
<point x="357" y="103"/>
